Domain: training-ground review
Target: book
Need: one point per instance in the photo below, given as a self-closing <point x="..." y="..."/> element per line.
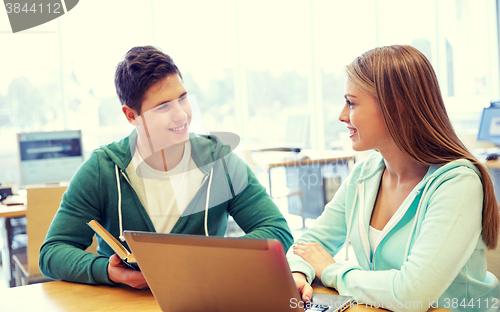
<point x="122" y="252"/>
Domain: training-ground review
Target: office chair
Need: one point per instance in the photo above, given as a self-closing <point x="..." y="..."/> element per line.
<point x="293" y="196"/>
<point x="42" y="204"/>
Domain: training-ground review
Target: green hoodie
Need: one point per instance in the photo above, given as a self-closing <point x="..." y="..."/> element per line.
<point x="100" y="190"/>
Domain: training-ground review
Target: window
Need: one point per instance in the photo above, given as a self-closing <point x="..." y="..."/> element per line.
<point x="339" y="38"/>
<point x="30" y="97"/>
<point x="203" y="47"/>
<point x="274" y="43"/>
<point x="460" y="39"/>
<point x="249" y="63"/>
<point x="89" y="56"/>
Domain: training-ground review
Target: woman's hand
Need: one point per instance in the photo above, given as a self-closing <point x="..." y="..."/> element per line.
<point x="315" y="255"/>
<point x="121" y="273"/>
<point x="303" y="286"/>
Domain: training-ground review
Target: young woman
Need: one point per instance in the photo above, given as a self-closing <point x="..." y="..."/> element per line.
<point x="419" y="212"/>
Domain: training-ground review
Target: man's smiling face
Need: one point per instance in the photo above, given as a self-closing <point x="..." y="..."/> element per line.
<point x="166" y="114"/>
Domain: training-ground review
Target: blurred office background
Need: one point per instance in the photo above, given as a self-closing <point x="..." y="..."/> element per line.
<point x="249" y="63"/>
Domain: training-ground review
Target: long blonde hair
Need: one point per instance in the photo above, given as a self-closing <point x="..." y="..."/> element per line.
<point x="403" y="81"/>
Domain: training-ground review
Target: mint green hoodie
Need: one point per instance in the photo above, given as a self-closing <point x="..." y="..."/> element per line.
<point x="94" y="193"/>
<point x="430" y="249"/>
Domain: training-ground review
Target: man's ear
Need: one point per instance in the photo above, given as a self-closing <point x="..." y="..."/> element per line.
<point x="130" y="114"/>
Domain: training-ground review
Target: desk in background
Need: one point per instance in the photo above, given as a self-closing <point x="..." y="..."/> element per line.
<point x="314" y="176"/>
<point x="8" y="216"/>
<point x="64" y="296"/>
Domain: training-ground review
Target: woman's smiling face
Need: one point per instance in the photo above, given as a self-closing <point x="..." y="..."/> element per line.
<point x="364" y="120"/>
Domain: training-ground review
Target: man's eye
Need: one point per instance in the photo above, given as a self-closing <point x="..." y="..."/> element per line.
<point x="182" y="99"/>
<point x="163" y="107"/>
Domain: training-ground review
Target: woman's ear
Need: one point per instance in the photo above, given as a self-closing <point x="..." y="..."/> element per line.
<point x="130" y="114"/>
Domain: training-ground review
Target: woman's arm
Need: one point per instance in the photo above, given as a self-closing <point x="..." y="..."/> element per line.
<point x="329" y="231"/>
<point x="447" y="238"/>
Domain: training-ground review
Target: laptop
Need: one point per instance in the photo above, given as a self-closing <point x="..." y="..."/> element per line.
<point x="197" y="273"/>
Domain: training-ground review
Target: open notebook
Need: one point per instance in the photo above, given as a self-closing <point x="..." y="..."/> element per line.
<point x="198" y="273"/>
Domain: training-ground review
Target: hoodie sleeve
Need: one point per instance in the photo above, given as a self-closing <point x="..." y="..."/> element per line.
<point x="251" y="207"/>
<point x="449" y="233"/>
<point x="329" y="230"/>
<point x="63" y="255"/>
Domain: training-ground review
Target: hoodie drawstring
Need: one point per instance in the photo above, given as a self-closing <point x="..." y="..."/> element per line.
<point x="122" y="238"/>
<point x="120" y="219"/>
<point x="349" y="226"/>
<point x="208" y="198"/>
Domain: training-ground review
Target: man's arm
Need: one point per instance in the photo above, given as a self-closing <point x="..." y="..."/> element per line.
<point x="62" y="255"/>
<point x="252" y="207"/>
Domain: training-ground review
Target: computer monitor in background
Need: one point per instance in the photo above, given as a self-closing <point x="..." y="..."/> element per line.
<point x="296" y="136"/>
<point x="489" y="128"/>
<point x="49" y="157"/>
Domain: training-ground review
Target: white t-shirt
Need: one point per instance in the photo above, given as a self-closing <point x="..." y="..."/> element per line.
<point x="374" y="236"/>
<point x="165" y="195"/>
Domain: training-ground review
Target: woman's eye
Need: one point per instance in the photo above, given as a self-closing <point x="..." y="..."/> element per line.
<point x="349" y="103"/>
<point x="183" y="99"/>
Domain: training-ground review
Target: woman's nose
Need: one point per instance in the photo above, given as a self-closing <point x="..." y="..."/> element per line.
<point x="344" y="114"/>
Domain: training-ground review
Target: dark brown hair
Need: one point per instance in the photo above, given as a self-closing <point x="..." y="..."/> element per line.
<point x="405" y="85"/>
<point x="141" y="68"/>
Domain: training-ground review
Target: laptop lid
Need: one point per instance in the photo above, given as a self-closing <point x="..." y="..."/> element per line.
<point x="198" y="273"/>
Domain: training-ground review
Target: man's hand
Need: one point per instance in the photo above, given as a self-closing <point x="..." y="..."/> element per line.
<point x="303" y="286"/>
<point x="121" y="273"/>
<point x="315" y="255"/>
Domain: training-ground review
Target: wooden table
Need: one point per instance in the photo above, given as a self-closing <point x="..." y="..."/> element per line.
<point x="12" y="211"/>
<point x="6" y="213"/>
<point x="309" y="157"/>
<point x="63" y="296"/>
<point x="492" y="163"/>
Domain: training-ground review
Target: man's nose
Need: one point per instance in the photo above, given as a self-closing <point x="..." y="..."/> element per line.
<point x="178" y="113"/>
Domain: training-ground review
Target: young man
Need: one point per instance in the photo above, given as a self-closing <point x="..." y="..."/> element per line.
<point x="161" y="178"/>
